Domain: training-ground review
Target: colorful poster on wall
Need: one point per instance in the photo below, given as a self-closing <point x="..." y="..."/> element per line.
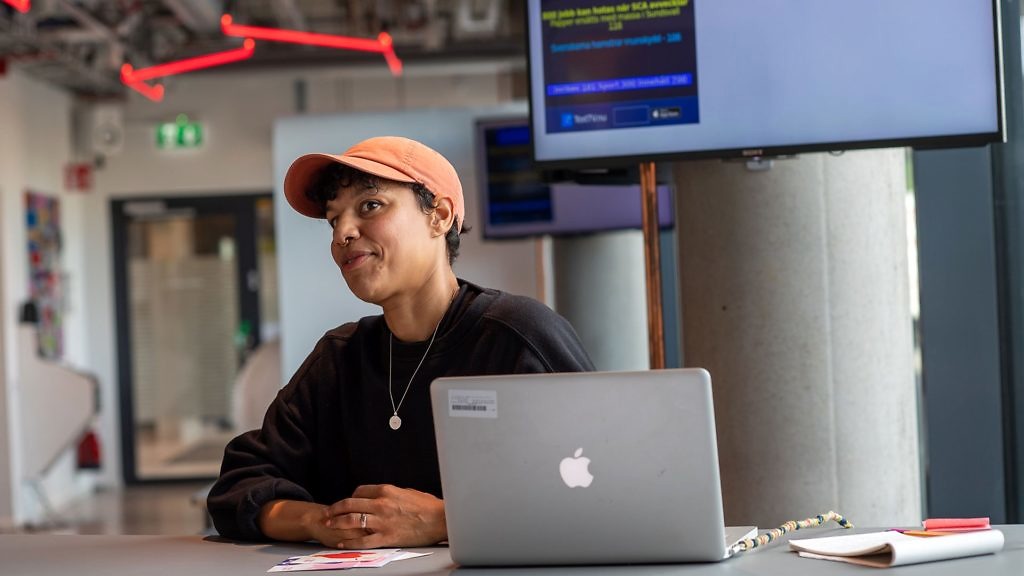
<point x="42" y="223"/>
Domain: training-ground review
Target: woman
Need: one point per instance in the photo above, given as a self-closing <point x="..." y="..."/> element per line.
<point x="346" y="455"/>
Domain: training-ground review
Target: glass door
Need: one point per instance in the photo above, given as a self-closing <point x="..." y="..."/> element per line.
<point x="188" y="278"/>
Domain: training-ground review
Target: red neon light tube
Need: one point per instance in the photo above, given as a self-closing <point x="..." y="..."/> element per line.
<point x="381" y="45"/>
<point x="393" y="63"/>
<point x="131" y="76"/>
<point x="154" y="93"/>
<point x="20" y="5"/>
<point x="297" y="37"/>
<point x="389" y="54"/>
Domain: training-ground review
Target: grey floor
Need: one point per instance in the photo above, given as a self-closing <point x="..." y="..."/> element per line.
<point x="144" y="509"/>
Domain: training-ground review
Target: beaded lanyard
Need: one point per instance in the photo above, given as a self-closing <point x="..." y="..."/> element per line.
<point x="792" y="525"/>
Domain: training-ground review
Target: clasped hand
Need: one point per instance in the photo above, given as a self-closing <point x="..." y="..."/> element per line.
<point x="394" y="517"/>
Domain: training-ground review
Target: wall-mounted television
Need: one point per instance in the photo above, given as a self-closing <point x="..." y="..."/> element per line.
<point x="617" y="81"/>
<point x="518" y="200"/>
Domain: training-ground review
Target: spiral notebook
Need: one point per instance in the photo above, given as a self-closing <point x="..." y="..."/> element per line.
<point x="892" y="548"/>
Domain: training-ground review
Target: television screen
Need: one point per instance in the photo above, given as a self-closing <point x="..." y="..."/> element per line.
<point x="517" y="199"/>
<point x="623" y="80"/>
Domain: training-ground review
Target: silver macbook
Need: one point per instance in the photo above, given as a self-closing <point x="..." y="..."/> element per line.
<point x="581" y="468"/>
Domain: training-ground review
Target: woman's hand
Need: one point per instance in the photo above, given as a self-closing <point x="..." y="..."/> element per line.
<point x="296" y="521"/>
<point x="382" y="515"/>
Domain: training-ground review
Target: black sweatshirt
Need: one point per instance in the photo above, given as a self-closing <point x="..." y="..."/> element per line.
<point x="327" y="431"/>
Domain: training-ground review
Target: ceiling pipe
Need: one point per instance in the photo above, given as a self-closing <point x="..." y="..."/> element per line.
<point x="48" y="52"/>
<point x="197" y="15"/>
<point x="183" y="14"/>
<point x="87" y="20"/>
<point x="288" y="14"/>
<point x="91" y="24"/>
<point x="469" y="21"/>
<point x="75" y="36"/>
<point x="131" y="21"/>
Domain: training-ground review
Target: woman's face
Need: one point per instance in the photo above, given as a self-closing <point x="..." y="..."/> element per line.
<point x="382" y="241"/>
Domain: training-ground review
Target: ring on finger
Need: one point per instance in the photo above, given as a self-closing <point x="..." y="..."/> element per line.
<point x="362" y="520"/>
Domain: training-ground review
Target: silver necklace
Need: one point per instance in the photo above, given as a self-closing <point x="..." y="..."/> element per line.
<point x="395" y="422"/>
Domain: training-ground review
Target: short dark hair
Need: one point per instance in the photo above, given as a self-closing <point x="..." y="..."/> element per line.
<point x="334" y="177"/>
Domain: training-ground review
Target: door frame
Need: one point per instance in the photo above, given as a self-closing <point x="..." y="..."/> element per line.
<point x="243" y="207"/>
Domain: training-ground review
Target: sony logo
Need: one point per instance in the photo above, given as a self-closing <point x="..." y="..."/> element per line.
<point x="753" y="152"/>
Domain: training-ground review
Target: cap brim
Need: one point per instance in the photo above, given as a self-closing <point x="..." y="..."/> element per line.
<point x="300" y="177"/>
<point x="305" y="169"/>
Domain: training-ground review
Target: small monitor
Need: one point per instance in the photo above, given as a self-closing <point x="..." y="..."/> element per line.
<point x="518" y="199"/>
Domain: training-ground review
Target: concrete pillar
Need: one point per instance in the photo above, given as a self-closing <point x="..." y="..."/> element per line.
<point x="794" y="295"/>
<point x="599" y="287"/>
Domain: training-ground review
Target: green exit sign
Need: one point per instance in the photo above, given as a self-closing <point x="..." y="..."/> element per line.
<point x="179" y="134"/>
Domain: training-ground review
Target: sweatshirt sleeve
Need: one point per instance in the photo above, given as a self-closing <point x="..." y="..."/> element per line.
<point x="272" y="463"/>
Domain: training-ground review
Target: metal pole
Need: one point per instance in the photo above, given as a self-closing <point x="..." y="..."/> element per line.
<point x="652" y="264"/>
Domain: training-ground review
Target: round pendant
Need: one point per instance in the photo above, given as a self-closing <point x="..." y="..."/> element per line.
<point x="395" y="422"/>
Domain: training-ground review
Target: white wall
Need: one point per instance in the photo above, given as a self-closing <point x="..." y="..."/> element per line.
<point x="314" y="297"/>
<point x="35" y="144"/>
<point x="238" y="111"/>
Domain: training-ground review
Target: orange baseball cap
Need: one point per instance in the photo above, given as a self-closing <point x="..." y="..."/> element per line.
<point x="390" y="157"/>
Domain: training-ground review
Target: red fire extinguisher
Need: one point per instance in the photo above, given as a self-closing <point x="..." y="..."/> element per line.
<point x="89" y="451"/>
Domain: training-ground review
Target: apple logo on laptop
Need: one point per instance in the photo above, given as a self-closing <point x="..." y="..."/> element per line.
<point x="574" y="470"/>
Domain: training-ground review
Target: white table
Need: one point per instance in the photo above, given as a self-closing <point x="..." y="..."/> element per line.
<point x="73" y="555"/>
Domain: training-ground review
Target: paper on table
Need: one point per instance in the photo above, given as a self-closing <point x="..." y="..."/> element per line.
<point x="344" y="560"/>
<point x="342" y="556"/>
<point x="882" y="549"/>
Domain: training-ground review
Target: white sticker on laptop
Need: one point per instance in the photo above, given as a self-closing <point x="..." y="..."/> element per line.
<point x="472" y="404"/>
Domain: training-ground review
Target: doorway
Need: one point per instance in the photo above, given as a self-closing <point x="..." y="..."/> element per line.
<point x="195" y="286"/>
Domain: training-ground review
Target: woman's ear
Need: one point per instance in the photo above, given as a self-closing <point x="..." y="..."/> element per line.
<point x="443" y="216"/>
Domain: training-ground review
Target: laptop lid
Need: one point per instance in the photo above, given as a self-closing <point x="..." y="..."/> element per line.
<point x="580" y="468"/>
